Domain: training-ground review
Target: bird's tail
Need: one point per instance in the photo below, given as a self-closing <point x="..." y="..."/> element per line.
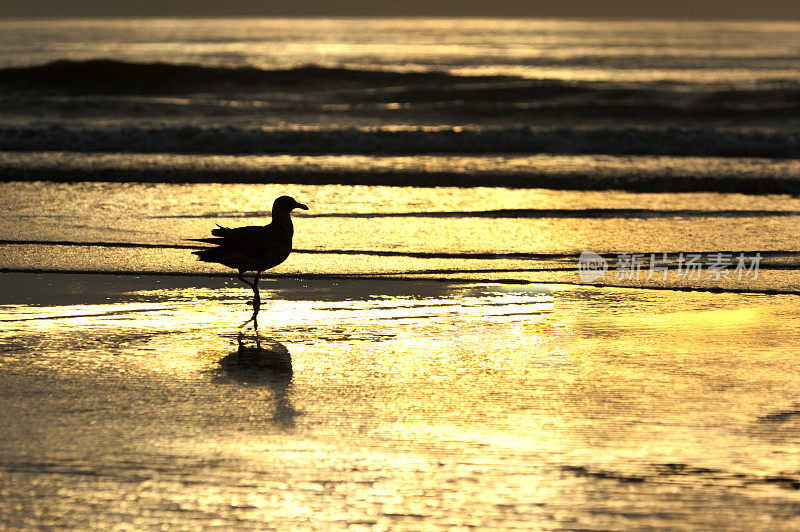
<point x="209" y="254"/>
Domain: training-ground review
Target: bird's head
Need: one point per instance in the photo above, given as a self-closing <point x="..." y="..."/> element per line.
<point x="287" y="204"/>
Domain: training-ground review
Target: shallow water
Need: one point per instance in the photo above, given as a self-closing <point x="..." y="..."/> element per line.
<point x="411" y="404"/>
<point x="414" y="401"/>
<point x="524" y="235"/>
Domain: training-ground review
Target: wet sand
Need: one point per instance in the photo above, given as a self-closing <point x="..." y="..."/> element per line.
<point x="411" y="405"/>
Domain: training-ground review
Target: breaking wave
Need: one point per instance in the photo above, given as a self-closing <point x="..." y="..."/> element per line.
<point x="468" y="93"/>
<point x="106" y="76"/>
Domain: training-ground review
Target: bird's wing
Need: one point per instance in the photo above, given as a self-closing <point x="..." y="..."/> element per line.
<point x="251" y="248"/>
<point x="253" y="239"/>
<point x="240" y="235"/>
<point x="231" y="237"/>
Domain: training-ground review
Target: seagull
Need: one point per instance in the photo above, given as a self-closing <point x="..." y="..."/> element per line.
<point x="253" y="248"/>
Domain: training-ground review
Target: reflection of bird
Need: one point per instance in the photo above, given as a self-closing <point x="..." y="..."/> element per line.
<point x="273" y="362"/>
<point x="267" y="365"/>
<point x="254" y="248"/>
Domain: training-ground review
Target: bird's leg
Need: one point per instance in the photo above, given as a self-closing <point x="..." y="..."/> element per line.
<point x="255" y="310"/>
<point x="256" y="302"/>
<point x="256" y="294"/>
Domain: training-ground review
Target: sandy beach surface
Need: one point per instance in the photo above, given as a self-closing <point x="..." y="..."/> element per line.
<point x="410" y="405"/>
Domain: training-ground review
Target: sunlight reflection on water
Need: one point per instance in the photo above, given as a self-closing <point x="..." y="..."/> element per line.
<point x="459" y="405"/>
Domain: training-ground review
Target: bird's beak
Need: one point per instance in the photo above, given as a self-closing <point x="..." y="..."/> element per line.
<point x="301" y="206"/>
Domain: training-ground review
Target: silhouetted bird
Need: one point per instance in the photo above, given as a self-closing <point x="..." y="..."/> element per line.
<point x="253" y="248"/>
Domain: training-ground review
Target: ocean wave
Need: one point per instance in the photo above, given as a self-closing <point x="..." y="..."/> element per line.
<point x="472" y="94"/>
<point x="107" y="76"/>
<point x="676" y="141"/>
<point x="546" y="171"/>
